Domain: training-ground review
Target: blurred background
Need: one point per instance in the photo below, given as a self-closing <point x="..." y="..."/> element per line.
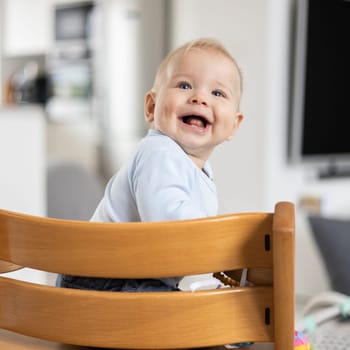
<point x="74" y="73"/>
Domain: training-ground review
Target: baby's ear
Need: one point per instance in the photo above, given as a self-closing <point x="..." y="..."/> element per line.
<point x="238" y="118"/>
<point x="150" y="102"/>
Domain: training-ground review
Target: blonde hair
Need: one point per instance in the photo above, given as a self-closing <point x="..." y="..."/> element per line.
<point x="197" y="44"/>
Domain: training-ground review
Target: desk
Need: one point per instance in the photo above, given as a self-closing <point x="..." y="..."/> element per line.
<point x="12" y="341"/>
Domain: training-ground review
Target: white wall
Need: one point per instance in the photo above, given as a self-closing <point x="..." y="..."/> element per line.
<point x="252" y="172"/>
<point x="291" y="182"/>
<point x="1" y="47"/>
<point x="241" y="26"/>
<point x="23" y="160"/>
<point x="132" y="46"/>
<point x="283" y="181"/>
<point x="23" y="168"/>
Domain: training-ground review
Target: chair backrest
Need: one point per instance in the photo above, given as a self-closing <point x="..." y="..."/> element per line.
<point x="158" y="320"/>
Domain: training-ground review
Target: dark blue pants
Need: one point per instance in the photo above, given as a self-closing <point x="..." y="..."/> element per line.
<point x="113" y="284"/>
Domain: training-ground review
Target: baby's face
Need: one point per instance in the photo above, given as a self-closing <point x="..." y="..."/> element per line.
<point x="196" y="101"/>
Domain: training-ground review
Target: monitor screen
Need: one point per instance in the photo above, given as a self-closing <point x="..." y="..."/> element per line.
<point x="320" y="116"/>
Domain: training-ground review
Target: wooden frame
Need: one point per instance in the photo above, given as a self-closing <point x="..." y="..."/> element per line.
<point x="261" y="242"/>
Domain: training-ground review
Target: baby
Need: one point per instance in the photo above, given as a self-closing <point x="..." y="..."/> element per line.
<point x="192" y="107"/>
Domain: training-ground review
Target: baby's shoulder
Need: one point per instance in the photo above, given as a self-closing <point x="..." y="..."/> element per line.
<point x="160" y="153"/>
<point x="159" y="145"/>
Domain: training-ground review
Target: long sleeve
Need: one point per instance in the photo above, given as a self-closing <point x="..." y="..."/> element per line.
<point x="159" y="183"/>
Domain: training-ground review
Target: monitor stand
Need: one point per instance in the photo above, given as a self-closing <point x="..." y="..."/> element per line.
<point x="333" y="171"/>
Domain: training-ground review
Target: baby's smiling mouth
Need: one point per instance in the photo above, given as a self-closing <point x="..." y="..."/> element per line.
<point x="195" y="120"/>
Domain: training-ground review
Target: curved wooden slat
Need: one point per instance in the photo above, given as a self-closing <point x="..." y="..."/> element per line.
<point x="214" y="244"/>
<point x="160" y="320"/>
<point x="13" y="341"/>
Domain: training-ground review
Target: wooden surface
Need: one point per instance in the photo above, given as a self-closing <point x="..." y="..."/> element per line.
<point x="162" y="319"/>
<point x="214" y="244"/>
<point x="12" y="341"/>
<point x="283" y="274"/>
<point x="151" y="320"/>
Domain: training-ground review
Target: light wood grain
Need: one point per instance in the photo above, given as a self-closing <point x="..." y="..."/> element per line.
<point x="129" y="250"/>
<point x="40" y="242"/>
<point x="162" y="320"/>
<point x="13" y="341"/>
<point x="283" y="274"/>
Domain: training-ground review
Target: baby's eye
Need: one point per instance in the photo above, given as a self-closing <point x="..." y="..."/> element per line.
<point x="184" y="85"/>
<point x="218" y="93"/>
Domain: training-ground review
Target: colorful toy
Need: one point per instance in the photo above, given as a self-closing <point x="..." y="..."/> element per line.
<point x="300" y="341"/>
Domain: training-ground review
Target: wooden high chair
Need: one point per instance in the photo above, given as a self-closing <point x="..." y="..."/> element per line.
<point x="42" y="317"/>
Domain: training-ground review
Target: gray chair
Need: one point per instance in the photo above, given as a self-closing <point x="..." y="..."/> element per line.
<point x="73" y="191"/>
<point x="332" y="237"/>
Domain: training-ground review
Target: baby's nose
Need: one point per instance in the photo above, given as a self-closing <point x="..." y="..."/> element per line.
<point x="199" y="99"/>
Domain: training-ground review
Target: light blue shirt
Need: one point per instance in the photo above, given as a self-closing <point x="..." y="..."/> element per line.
<point x="159" y="183"/>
